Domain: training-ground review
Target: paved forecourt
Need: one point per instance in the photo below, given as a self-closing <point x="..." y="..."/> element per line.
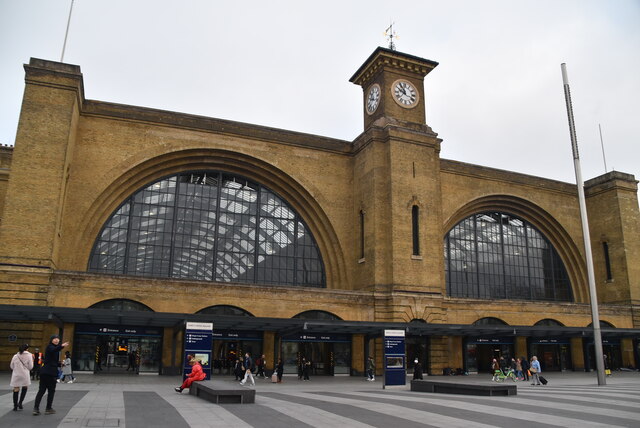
<point x="570" y="399"/>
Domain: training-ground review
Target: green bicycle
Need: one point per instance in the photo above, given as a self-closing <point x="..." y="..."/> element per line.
<point x="499" y="376"/>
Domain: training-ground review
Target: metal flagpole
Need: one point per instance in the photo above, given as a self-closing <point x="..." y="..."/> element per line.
<point x="597" y="336"/>
<point x="64" y="45"/>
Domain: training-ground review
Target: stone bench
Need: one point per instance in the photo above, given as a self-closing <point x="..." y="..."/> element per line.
<point x="222" y="392"/>
<point x="463" y="388"/>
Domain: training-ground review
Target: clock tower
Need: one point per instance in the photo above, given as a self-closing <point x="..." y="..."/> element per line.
<point x="393" y="86"/>
<point x="397" y="189"/>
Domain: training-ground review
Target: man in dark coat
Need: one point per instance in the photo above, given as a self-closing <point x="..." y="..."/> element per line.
<point x="48" y="375"/>
<point x="525" y="367"/>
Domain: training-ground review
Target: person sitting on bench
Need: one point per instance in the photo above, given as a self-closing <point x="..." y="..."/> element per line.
<point x="196" y="374"/>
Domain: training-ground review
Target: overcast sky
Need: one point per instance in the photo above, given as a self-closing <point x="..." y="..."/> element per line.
<point x="496" y="99"/>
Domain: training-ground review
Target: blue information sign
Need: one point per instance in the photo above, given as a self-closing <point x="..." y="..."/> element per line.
<point x="198" y="339"/>
<point x="395" y="368"/>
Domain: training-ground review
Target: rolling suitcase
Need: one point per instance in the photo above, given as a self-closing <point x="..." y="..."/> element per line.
<point x="542" y="380"/>
<point x="274" y="378"/>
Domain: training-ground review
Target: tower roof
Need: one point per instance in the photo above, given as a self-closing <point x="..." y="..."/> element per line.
<point x="382" y="57"/>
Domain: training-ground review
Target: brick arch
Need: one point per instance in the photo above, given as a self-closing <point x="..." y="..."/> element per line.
<point x="116" y="302"/>
<point x="132" y="178"/>
<point x="541" y="220"/>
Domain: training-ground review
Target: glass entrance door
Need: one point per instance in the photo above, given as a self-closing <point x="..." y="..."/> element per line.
<point x="327" y="358"/>
<point x="117" y="354"/>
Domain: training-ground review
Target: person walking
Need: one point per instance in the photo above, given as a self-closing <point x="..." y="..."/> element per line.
<point x="48" y="375"/>
<point x="66" y="368"/>
<point x="519" y="373"/>
<point x="525" y="368"/>
<point x="261" y="363"/>
<point x="21" y="365"/>
<point x="196" y="374"/>
<point x="306" y="368"/>
<point x="131" y="359"/>
<point x="371" y="367"/>
<point x="495" y="368"/>
<point x="37" y="364"/>
<point x="535" y="370"/>
<point x="248" y="362"/>
<point x="417" y="370"/>
<point x="279" y="369"/>
<point x="237" y="369"/>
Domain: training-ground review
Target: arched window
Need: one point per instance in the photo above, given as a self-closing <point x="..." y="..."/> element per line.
<point x="489" y="321"/>
<point x="121" y="305"/>
<point x="317" y="315"/>
<point x="209" y="226"/>
<point x="415" y="229"/>
<point x="549" y="322"/>
<point x="500" y="256"/>
<point x="603" y="324"/>
<point x="225" y="310"/>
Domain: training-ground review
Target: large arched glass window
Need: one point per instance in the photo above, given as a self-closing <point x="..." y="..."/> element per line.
<point x="499" y="256"/>
<point x="210" y="226"/>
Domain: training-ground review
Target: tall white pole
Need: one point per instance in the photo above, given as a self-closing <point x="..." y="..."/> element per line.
<point x="66" y="33"/>
<point x="595" y="317"/>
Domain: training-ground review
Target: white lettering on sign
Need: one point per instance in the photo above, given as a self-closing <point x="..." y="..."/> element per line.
<point x="208" y="326"/>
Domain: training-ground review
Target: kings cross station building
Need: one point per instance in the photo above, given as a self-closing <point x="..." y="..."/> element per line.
<point x="120" y="224"/>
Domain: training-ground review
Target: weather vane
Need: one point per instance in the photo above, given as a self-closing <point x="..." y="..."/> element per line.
<point x="389" y="33"/>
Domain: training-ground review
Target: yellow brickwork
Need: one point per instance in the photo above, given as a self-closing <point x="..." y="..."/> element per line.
<point x="76" y="160"/>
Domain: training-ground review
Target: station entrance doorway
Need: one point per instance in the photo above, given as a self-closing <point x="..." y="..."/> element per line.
<point x="117" y="349"/>
<point x="330" y="354"/>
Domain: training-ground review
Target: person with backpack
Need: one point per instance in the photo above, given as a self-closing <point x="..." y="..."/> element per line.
<point x="21" y="365"/>
<point x="535" y="370"/>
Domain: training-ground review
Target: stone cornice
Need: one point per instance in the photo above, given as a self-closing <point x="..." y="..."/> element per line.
<point x="208" y="124"/>
<point x="483" y="172"/>
<point x="383" y="57"/>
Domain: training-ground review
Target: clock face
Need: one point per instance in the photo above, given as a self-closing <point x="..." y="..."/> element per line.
<point x="404" y="93"/>
<point x="373" y="98"/>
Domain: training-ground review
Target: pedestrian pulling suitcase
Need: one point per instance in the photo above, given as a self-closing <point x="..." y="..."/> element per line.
<point x="543" y="380"/>
<point x="274" y="378"/>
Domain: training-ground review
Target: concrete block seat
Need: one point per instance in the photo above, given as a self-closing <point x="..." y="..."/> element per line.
<point x="463" y="388"/>
<point x="222" y="392"/>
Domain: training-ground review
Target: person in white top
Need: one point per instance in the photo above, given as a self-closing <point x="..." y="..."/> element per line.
<point x="21" y="365"/>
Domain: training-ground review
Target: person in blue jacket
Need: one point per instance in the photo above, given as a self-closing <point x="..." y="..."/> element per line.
<point x="535" y="370"/>
<point x="49" y="374"/>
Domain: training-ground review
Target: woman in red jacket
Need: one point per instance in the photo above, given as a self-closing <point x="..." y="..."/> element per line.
<point x="196" y="374"/>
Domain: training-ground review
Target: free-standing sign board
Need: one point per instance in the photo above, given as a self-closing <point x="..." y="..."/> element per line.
<point x="198" y="339"/>
<point x="395" y="367"/>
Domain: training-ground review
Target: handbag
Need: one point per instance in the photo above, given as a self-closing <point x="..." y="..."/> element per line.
<point x="532" y="370"/>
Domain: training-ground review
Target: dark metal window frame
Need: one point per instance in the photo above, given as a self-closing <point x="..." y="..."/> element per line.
<point x="415" y="229"/>
<point x="497" y="255"/>
<point x="196" y="225"/>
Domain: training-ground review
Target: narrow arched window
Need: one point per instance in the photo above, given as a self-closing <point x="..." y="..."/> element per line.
<point x="415" y="229"/>
<point x="361" y="234"/>
<point x="607" y="260"/>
